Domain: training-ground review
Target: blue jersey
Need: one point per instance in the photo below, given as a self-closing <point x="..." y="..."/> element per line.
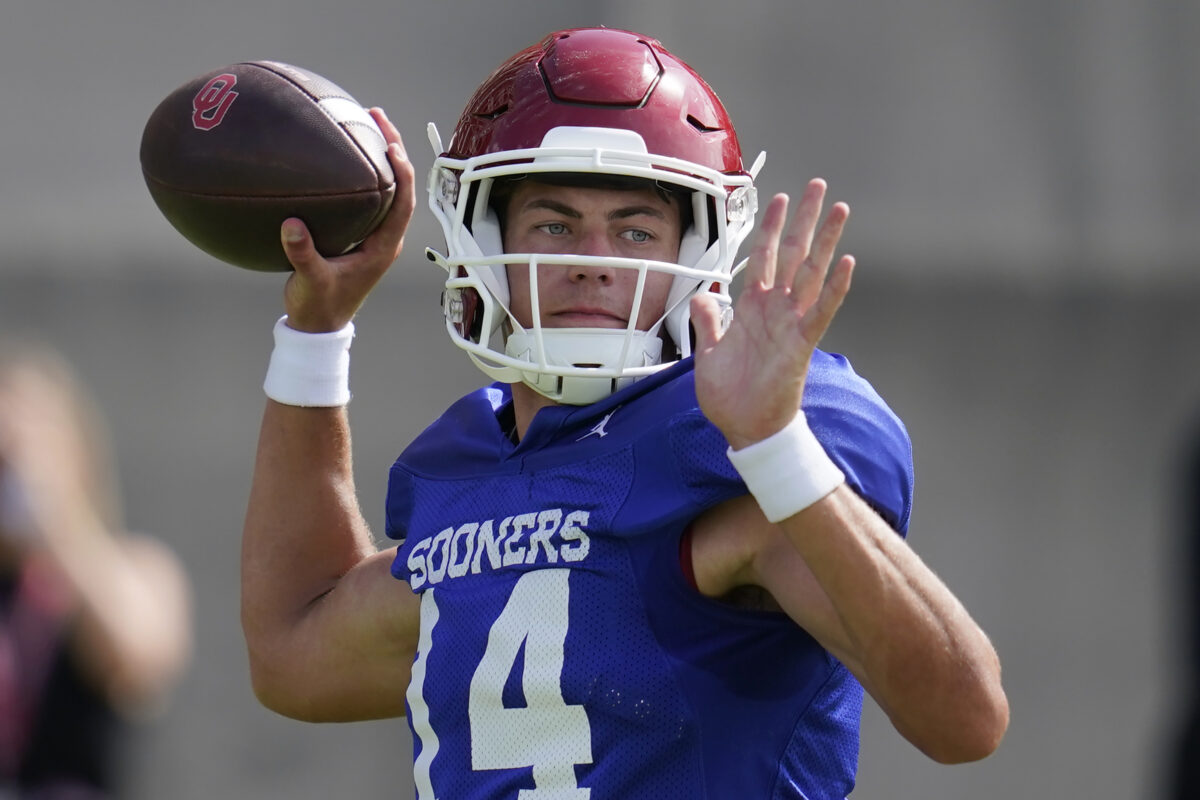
<point x="562" y="651"/>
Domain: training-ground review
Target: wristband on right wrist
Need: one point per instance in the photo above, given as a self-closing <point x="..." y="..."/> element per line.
<point x="309" y="369"/>
<point x="788" y="471"/>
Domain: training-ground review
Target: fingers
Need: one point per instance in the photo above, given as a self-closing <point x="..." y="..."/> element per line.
<point x="809" y="276"/>
<point x="796" y="256"/>
<point x="794" y="248"/>
<point x="389" y="236"/>
<point x="764" y="252"/>
<point x="820" y="315"/>
<point x="706" y="320"/>
<point x="390" y="133"/>
<point x="804" y="250"/>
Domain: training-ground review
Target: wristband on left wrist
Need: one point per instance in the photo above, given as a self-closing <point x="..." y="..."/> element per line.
<point x="788" y="471"/>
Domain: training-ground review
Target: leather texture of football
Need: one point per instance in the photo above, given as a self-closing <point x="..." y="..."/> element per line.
<point x="231" y="154"/>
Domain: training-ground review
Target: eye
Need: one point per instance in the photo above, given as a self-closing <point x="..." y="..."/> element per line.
<point x="553" y="228"/>
<point x="638" y="236"/>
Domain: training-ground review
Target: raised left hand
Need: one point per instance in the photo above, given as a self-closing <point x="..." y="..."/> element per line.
<point x="750" y="379"/>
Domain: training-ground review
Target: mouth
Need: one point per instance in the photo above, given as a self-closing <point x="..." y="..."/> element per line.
<point x="586" y="318"/>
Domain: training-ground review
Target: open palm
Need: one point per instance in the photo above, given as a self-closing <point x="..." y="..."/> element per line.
<point x="750" y="378"/>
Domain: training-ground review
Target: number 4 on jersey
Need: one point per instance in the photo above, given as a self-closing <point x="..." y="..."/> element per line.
<point x="547" y="734"/>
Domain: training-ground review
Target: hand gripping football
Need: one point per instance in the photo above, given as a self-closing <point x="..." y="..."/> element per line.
<point x="231" y="154"/>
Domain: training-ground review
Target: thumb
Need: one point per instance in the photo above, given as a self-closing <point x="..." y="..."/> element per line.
<point x="706" y="320"/>
<point x="298" y="245"/>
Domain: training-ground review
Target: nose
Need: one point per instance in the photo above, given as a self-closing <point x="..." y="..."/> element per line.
<point x="605" y="276"/>
<point x="594" y="244"/>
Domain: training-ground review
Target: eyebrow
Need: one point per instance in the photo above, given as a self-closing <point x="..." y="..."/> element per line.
<point x="568" y="211"/>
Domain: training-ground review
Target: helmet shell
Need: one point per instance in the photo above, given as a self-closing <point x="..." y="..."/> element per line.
<point x="599" y="105"/>
<point x="599" y="77"/>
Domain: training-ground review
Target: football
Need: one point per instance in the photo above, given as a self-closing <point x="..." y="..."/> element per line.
<point x="229" y="155"/>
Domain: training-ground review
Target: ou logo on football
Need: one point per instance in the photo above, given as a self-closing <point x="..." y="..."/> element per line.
<point x="211" y="103"/>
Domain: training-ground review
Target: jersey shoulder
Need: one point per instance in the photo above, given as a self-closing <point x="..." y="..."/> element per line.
<point x="647" y="451"/>
<point x="862" y="434"/>
<point x="465" y="437"/>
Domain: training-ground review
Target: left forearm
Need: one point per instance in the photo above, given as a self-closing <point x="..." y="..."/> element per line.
<point x="918" y="651"/>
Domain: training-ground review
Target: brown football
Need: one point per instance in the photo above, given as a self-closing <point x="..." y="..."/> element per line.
<point x="231" y="154"/>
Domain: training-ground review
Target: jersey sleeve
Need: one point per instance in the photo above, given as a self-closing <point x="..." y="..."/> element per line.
<point x="685" y="468"/>
<point x="863" y="436"/>
<point x="464" y="438"/>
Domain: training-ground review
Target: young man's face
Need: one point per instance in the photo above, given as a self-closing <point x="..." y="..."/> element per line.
<point x="637" y="223"/>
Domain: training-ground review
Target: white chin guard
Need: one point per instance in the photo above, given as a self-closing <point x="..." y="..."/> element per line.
<point x="606" y="360"/>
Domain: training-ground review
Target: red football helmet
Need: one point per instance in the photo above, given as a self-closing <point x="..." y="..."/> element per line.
<point x="593" y="101"/>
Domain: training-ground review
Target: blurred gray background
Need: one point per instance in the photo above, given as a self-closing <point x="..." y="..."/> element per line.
<point x="1024" y="184"/>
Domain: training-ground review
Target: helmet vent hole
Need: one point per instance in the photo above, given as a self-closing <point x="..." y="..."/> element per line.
<point x="700" y="126"/>
<point x="494" y="114"/>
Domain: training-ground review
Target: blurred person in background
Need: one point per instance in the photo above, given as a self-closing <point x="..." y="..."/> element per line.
<point x="95" y="622"/>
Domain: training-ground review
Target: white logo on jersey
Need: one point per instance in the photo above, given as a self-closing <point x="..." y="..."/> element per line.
<point x="536" y="537"/>
<point x="599" y="428"/>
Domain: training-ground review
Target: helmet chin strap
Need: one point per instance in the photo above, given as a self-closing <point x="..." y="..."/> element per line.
<point x="611" y="351"/>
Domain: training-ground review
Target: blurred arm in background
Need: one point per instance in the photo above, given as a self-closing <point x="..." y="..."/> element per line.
<point x="75" y="582"/>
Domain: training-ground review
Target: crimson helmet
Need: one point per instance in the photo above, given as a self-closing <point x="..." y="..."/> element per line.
<point x="586" y="101"/>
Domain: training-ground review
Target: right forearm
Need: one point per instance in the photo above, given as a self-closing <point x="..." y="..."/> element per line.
<point x="330" y="633"/>
<point x="303" y="526"/>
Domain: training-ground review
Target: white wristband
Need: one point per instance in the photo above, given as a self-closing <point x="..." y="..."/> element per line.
<point x="788" y="471"/>
<point x="309" y="369"/>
